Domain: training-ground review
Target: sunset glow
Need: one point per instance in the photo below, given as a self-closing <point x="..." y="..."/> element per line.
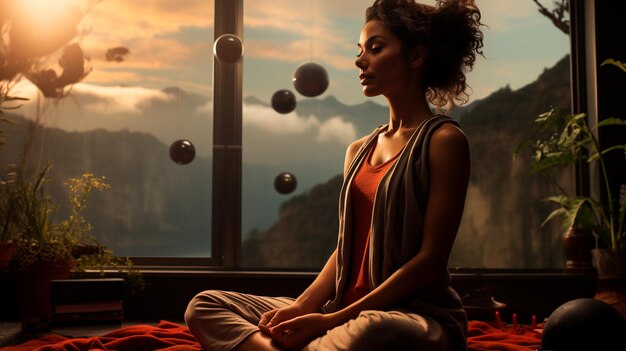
<point x="42" y="26"/>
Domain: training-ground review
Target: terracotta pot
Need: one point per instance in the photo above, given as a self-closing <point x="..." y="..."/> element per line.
<point x="32" y="289"/>
<point x="577" y="245"/>
<point x="6" y="254"/>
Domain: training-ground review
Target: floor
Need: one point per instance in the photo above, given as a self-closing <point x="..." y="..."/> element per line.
<point x="11" y="332"/>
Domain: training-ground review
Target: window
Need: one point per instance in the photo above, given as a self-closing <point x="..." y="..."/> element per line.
<point x="122" y="119"/>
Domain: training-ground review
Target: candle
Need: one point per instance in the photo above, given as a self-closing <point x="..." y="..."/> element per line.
<point x="498" y="320"/>
<point x="514" y="321"/>
<point x="534" y="322"/>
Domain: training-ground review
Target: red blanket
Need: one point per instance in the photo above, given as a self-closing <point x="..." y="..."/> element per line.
<point x="168" y="336"/>
<point x="483" y="336"/>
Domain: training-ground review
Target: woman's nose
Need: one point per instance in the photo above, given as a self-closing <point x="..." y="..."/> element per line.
<point x="360" y="62"/>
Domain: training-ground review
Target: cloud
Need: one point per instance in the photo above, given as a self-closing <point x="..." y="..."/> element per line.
<point x="161" y="35"/>
<point x="114" y="100"/>
<point x="206" y="108"/>
<point x="299" y="51"/>
<point x="504" y="15"/>
<point x="337" y="129"/>
<point x="268" y="120"/>
<point x="133" y="19"/>
<point x="100" y="76"/>
<point x="313" y="32"/>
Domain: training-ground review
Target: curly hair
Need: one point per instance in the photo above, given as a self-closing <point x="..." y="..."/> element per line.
<point x="451" y="33"/>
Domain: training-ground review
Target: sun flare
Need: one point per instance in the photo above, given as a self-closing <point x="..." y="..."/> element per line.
<point x="40" y="25"/>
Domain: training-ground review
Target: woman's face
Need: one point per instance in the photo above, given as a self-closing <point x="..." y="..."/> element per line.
<point x="383" y="68"/>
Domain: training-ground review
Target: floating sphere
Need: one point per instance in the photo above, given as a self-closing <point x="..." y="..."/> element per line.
<point x="310" y="79"/>
<point x="182" y="151"/>
<point x="228" y="48"/>
<point x="283" y="101"/>
<point x="584" y="324"/>
<point x="285" y="183"/>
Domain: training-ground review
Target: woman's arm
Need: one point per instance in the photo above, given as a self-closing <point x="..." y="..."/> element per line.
<point x="323" y="287"/>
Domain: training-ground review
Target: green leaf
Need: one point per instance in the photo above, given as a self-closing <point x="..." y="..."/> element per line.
<point x="611" y="122"/>
<point x="614" y="147"/>
<point x="615" y="63"/>
<point x="556" y="213"/>
<point x="552" y="160"/>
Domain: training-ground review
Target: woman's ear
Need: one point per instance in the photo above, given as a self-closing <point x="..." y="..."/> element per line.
<point x="417" y="56"/>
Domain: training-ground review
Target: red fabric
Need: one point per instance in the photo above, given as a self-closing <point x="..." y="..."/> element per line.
<point x="168" y="336"/>
<point x="363" y="192"/>
<point x="483" y="336"/>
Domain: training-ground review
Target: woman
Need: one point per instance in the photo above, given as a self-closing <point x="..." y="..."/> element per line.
<point x="387" y="285"/>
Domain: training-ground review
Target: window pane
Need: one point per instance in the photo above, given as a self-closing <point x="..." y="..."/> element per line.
<point x="526" y="70"/>
<point x="150" y="86"/>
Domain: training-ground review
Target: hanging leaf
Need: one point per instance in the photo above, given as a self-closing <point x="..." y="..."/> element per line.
<point x="615" y="63"/>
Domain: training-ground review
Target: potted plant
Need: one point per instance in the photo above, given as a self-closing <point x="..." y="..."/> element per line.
<point x="46" y="248"/>
<point x="6" y="244"/>
<point x="568" y="139"/>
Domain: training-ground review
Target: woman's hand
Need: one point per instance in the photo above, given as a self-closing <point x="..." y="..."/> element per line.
<point x="296" y="333"/>
<point x="279" y="315"/>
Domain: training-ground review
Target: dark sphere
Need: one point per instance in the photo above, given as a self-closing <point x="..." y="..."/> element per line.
<point x="228" y="48"/>
<point x="283" y="101"/>
<point x="285" y="183"/>
<point x="584" y="324"/>
<point x="310" y="79"/>
<point x="182" y="151"/>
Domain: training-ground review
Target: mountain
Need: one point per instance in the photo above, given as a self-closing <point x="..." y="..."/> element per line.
<point x="309" y="245"/>
<point x="151" y="201"/>
<point x="501" y="226"/>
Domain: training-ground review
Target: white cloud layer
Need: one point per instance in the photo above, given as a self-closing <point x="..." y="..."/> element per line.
<point x="337" y="129"/>
<point x="266" y="119"/>
<point x="113" y="100"/>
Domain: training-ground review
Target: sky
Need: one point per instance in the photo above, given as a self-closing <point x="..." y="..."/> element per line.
<point x="171" y="43"/>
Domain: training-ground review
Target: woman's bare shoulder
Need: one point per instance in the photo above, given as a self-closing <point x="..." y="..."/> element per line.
<point x="449" y="134"/>
<point x="356" y="145"/>
<point x="449" y="148"/>
<point x="351" y="152"/>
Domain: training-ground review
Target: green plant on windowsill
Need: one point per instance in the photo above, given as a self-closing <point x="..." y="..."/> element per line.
<point x="28" y="220"/>
<point x="568" y="140"/>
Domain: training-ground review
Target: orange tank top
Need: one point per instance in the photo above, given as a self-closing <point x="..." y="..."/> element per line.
<point x="363" y="191"/>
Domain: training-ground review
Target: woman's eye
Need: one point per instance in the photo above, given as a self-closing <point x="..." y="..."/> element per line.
<point x="375" y="49"/>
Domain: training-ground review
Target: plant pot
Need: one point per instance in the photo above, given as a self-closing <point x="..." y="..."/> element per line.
<point x="611" y="285"/>
<point x="32" y="289"/>
<point x="577" y="245"/>
<point x="610" y="264"/>
<point x="6" y="254"/>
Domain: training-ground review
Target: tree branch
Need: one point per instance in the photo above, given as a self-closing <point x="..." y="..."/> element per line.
<point x="558" y="16"/>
